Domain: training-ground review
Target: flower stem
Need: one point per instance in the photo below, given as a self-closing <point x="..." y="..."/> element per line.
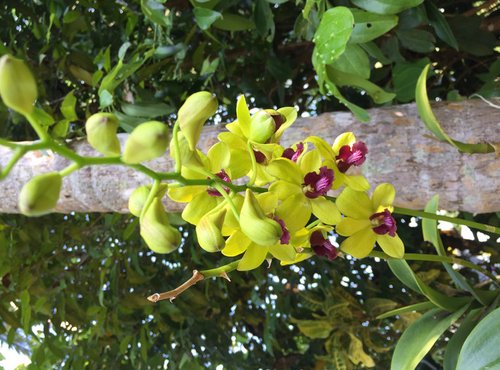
<point x="220" y="271"/>
<point x="42" y="134"/>
<point x="434" y="258"/>
<point x="71" y="168"/>
<point x="177" y="149"/>
<point x="453" y="220"/>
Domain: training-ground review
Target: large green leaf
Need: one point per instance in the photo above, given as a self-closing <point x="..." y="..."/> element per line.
<point x="440" y="25"/>
<point x="431" y="235"/>
<point x="353" y="60"/>
<point x="431" y="122"/>
<point x="404" y="273"/>
<point x="359" y="112"/>
<point x="480" y="350"/>
<point x="413" y="307"/>
<point x="405" y="76"/>
<point x="234" y="22"/>
<point x="420" y="336"/>
<point x="416" y="40"/>
<point x="386" y="6"/>
<point x="205" y="17"/>
<point x="457" y="340"/>
<point x="369" y="26"/>
<point x="314" y="328"/>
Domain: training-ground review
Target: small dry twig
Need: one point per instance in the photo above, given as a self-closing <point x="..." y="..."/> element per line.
<point x="172" y="294"/>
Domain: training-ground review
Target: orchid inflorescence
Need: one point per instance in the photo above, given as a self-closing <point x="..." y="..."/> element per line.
<point x="282" y="210"/>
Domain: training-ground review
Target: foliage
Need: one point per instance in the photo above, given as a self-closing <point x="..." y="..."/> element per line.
<point x="139" y="61"/>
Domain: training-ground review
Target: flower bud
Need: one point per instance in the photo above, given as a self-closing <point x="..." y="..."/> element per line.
<point x="194" y="112"/>
<point x="149" y="140"/>
<point x="262" y="127"/>
<point x="188" y="157"/>
<point x="208" y="231"/>
<point x="39" y="195"/>
<point x="256" y="225"/>
<point x="156" y="230"/>
<point x="101" y="133"/>
<point x="140" y="195"/>
<point x="17" y="85"/>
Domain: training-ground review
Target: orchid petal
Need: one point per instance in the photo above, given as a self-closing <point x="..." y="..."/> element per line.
<point x="360" y="244"/>
<point x="284" y="189"/>
<point x="349" y="226"/>
<point x="184" y="194"/>
<point x="383" y="196"/>
<point x="358" y="183"/>
<point x="310" y="161"/>
<point x="295" y="211"/>
<point x="243" y="115"/>
<point x="285" y="169"/>
<point x="236" y="244"/>
<point x="253" y="257"/>
<point x="219" y="157"/>
<point x="323" y="147"/>
<point x="283" y="252"/>
<point x="347" y="138"/>
<point x="198" y="207"/>
<point x="299" y="258"/>
<point x="325" y="210"/>
<point x="391" y="245"/>
<point x="354" y="204"/>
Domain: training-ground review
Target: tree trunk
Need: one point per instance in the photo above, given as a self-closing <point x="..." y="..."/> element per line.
<point x="401" y="151"/>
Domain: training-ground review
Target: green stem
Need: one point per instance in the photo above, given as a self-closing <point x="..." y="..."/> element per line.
<point x="42" y="134"/>
<point x="216" y="272"/>
<point x="434" y="258"/>
<point x="228" y="199"/>
<point x="453" y="220"/>
<point x="177" y="149"/>
<point x="71" y="168"/>
<point x="16" y="156"/>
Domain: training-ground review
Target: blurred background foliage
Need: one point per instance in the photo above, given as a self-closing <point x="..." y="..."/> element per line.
<point x="73" y="287"/>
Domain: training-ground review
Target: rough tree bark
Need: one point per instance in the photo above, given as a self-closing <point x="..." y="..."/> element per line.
<point x="401" y="151"/>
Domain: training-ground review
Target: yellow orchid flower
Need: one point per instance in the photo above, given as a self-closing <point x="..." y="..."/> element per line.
<point x="248" y="242"/>
<point x="343" y="154"/>
<point x="368" y="221"/>
<point x="302" y="188"/>
<point x="202" y="199"/>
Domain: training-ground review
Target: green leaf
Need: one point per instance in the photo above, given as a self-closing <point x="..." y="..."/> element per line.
<point x="234" y="22"/>
<point x="205" y="17"/>
<point x="386" y="6"/>
<point x="105" y="99"/>
<point x="369" y="26"/>
<point x="359" y="112"/>
<point x="313" y="328"/>
<point x="332" y="35"/>
<point x="264" y="19"/>
<point x="68" y="106"/>
<point x="480" y="350"/>
<point x="374" y="51"/>
<point x="25" y="310"/>
<point x="154" y="11"/>
<point x="376" y="306"/>
<point x="378" y="95"/>
<point x="405" y="76"/>
<point x="413" y="307"/>
<point x="43" y="118"/>
<point x="440" y="25"/>
<point x="417" y="40"/>
<point x="457" y="340"/>
<point x="61" y="128"/>
<point x="353" y="60"/>
<point x="404" y="273"/>
<point x="420" y="336"/>
<point x="147" y="110"/>
<point x="431" y="235"/>
<point x="431" y="122"/>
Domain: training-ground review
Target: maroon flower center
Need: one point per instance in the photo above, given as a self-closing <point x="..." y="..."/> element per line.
<point x="279" y="119"/>
<point x="259" y="156"/>
<point x="285" y="236"/>
<point x="318" y="184"/>
<point x="293" y="155"/>
<point x="351" y="156"/>
<point x="223" y="176"/>
<point x="322" y="246"/>
<point x="383" y="223"/>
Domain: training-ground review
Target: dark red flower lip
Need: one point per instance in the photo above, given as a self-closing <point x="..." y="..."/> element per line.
<point x="351" y="156"/>
<point x="318" y="184"/>
<point x="285" y="236"/>
<point x="322" y="246"/>
<point x="383" y="223"/>
<point x="293" y="155"/>
<point x="223" y="176"/>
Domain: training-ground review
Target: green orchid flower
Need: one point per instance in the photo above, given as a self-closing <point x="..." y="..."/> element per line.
<point x="302" y="188"/>
<point x="342" y="155"/>
<point x="368" y="221"/>
<point x="266" y="231"/>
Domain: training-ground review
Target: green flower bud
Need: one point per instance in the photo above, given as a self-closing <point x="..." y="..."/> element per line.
<point x="256" y="225"/>
<point x="156" y="230"/>
<point x="149" y="140"/>
<point x="208" y="231"/>
<point x="262" y="127"/>
<point x="101" y="133"/>
<point x="194" y="112"/>
<point x="17" y="85"/>
<point x="189" y="158"/>
<point x="140" y="195"/>
<point x="39" y="195"/>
